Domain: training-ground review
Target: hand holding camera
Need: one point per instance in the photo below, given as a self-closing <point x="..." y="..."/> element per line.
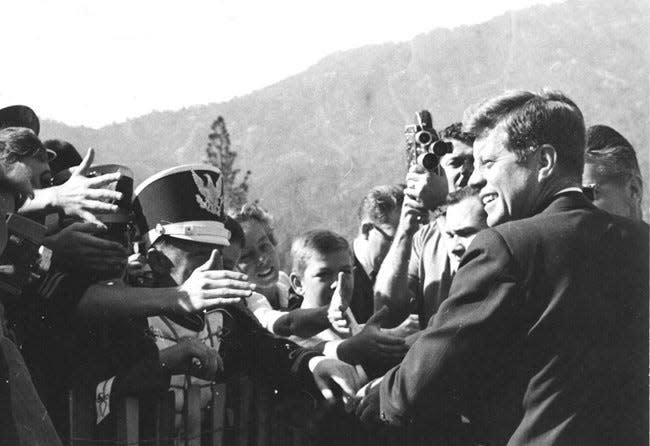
<point x="426" y="184"/>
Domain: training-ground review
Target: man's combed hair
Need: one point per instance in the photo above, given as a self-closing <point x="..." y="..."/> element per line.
<point x="533" y="119"/>
<point x="380" y="202"/>
<point x="459" y="195"/>
<point x="254" y="212"/>
<point x="317" y="241"/>
<point x="17" y="143"/>
<point x="611" y="154"/>
<point x="455" y="131"/>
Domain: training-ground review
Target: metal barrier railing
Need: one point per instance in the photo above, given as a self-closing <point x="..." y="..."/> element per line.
<point x="246" y="419"/>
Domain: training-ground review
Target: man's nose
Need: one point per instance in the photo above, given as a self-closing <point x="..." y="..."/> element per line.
<point x="476" y="180"/>
<point x="458" y="250"/>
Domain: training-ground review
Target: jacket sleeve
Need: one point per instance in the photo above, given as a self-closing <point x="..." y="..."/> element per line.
<point x="275" y="360"/>
<point x="479" y="316"/>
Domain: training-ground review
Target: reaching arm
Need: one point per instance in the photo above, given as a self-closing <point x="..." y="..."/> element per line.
<point x="392" y="284"/>
<point x="301" y="322"/>
<point x="475" y="324"/>
<point x="79" y="196"/>
<point x="204" y="289"/>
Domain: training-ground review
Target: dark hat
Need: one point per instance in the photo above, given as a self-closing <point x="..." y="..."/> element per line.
<point x="124" y="185"/>
<point x="184" y="202"/>
<point x="67" y="156"/>
<point x="19" y="116"/>
<point x="22" y="116"/>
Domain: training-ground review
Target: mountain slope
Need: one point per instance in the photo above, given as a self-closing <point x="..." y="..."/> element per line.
<point x="318" y="140"/>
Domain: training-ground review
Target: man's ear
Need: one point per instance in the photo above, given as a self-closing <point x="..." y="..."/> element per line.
<point x="547" y="160"/>
<point x="635" y="189"/>
<point x="296" y="283"/>
<point x="366" y="227"/>
<point x="159" y="262"/>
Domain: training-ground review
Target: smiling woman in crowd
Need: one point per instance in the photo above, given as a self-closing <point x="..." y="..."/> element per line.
<point x="259" y="259"/>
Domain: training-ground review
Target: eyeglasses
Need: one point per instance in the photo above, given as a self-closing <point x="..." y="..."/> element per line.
<point x="388" y="238"/>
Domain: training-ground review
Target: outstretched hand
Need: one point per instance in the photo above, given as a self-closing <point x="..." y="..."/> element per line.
<point x="210" y="286"/>
<point x="81" y="196"/>
<point x="409" y="326"/>
<point x="334" y="377"/>
<point x="76" y="247"/>
<point x="340" y="303"/>
<point x="191" y="356"/>
<point x="368" y="408"/>
<point x="372" y="344"/>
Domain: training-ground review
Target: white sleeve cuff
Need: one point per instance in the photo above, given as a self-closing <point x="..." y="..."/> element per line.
<point x="263" y="311"/>
<point x="313" y="362"/>
<point x="330" y="349"/>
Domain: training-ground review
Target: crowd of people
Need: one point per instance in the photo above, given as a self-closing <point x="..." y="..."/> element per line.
<point x="500" y="299"/>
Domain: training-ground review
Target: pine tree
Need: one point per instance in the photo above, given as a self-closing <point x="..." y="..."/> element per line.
<point x="219" y="154"/>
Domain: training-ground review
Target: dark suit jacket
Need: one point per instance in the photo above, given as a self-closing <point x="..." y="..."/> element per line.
<point x="544" y="337"/>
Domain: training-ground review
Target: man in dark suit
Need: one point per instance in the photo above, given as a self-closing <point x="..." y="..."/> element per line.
<point x="544" y="337"/>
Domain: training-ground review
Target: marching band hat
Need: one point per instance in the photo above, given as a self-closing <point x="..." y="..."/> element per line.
<point x="184" y="202"/>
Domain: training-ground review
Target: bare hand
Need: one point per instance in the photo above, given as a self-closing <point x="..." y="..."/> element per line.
<point x="192" y="356"/>
<point x="368" y="408"/>
<point x="427" y="188"/>
<point x="409" y="326"/>
<point x="340" y="302"/>
<point x="207" y="288"/>
<point x="413" y="215"/>
<point x="76" y="247"/>
<point x="334" y="377"/>
<point x="372" y="344"/>
<point x="80" y="196"/>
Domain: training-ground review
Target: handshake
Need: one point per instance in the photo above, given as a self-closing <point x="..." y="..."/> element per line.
<point x="367" y="344"/>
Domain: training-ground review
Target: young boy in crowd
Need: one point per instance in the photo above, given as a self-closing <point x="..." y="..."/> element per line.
<point x="322" y="274"/>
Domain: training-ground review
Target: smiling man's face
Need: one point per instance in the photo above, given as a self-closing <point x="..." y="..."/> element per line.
<point x="508" y="188"/>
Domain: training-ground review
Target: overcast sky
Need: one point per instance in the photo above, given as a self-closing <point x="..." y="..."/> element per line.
<point x="93" y="62"/>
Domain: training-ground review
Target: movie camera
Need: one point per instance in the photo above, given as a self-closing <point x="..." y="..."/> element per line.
<point x="423" y="146"/>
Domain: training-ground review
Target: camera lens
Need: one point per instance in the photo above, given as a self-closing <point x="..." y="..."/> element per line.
<point x="441" y="148"/>
<point x="429" y="161"/>
<point x="423" y="138"/>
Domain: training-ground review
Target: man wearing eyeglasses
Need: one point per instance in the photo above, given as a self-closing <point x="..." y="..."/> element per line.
<point x="611" y="177"/>
<point x="378" y="215"/>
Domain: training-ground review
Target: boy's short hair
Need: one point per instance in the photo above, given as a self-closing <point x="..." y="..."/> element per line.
<point x="380" y="202"/>
<point x="255" y="212"/>
<point x="319" y="241"/>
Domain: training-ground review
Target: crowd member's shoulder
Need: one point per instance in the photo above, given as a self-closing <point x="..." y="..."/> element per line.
<point x="631" y="229"/>
<point x="432" y="230"/>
